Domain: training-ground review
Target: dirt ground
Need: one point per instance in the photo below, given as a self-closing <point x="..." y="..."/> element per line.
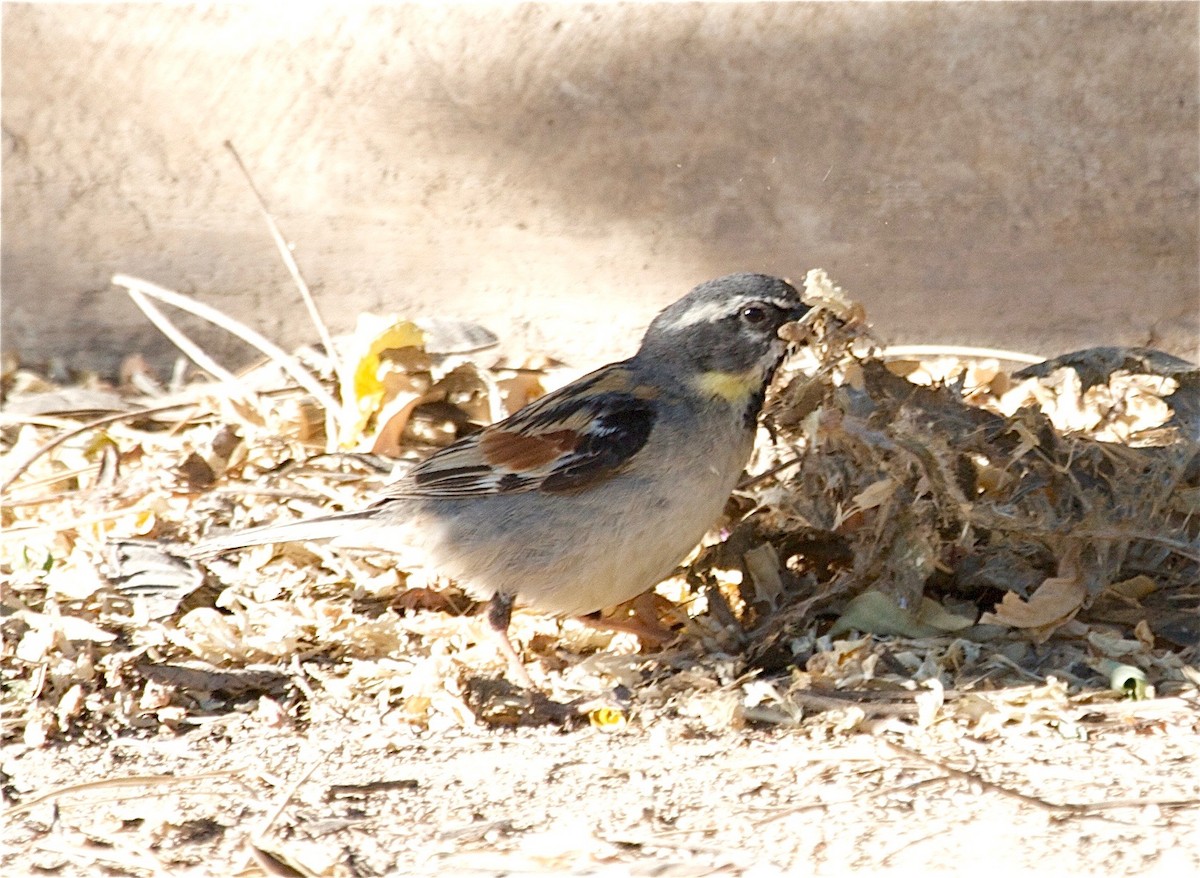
<point x="363" y="794"/>
<point x="949" y="626"/>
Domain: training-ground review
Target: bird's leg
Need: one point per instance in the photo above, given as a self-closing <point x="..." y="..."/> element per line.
<point x="499" y="614"/>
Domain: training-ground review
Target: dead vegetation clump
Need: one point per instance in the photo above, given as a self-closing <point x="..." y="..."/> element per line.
<point x="987" y="527"/>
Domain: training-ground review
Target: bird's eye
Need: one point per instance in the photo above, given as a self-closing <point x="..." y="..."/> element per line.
<point x="753" y="314"/>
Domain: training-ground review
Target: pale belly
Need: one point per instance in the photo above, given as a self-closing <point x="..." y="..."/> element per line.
<point x="578" y="553"/>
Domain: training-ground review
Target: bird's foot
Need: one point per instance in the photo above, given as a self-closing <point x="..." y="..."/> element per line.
<point x="499" y="614"/>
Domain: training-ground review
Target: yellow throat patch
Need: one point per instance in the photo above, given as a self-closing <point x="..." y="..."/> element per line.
<point x="730" y="386"/>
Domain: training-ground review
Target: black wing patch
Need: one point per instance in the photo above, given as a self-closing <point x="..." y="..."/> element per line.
<point x="618" y="430"/>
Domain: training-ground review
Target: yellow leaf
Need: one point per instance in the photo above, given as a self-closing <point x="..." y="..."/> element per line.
<point x="1133" y="589"/>
<point x="362" y="383"/>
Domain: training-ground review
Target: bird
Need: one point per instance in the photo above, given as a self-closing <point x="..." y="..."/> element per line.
<point x="593" y="493"/>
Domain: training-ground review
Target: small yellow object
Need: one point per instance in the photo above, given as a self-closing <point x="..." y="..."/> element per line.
<point x="135" y="523"/>
<point x="362" y="385"/>
<point x="607" y="719"/>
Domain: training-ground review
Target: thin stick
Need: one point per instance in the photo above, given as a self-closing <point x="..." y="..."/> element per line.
<point x="258" y="838"/>
<point x="53" y="480"/>
<point x="280" y="357"/>
<point x="751" y="481"/>
<point x="121" y="856"/>
<point x="791" y="810"/>
<point x="58" y="440"/>
<point x="177" y="337"/>
<point x="289" y="261"/>
<point x="1034" y="801"/>
<point x="961" y="351"/>
<point x="20" y="531"/>
<point x="870" y="708"/>
<point x="137" y="780"/>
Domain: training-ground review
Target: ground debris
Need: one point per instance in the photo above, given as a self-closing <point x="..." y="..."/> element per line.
<point x="937" y="550"/>
<point x="946" y="502"/>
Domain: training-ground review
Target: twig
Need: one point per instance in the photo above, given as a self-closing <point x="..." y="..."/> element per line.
<point x="1063" y="808"/>
<point x="333" y="413"/>
<point x="256" y="839"/>
<point x="139" y="289"/>
<point x="911" y="843"/>
<point x="290" y="262"/>
<point x="275" y="862"/>
<point x="122" y="857"/>
<point x="136" y="780"/>
<point x="791" y="810"/>
<point x="57" y="496"/>
<point x="1156" y="707"/>
<point x="961" y="351"/>
<point x="58" y="440"/>
<point x="751" y="481"/>
<point x="19" y="531"/>
<point x="975" y="780"/>
<point x="176" y="336"/>
<point x="871" y="708"/>
<point x="377" y="786"/>
<point x="299" y="679"/>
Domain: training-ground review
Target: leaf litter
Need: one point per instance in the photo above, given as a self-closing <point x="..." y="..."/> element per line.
<point x="935" y="549"/>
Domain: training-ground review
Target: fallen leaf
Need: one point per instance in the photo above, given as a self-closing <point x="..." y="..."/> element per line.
<point x="1055" y="601"/>
<point x="763" y="564"/>
<point x="874" y="494"/>
<point x="71" y="628"/>
<point x="1134" y="588"/>
<point x="362" y="382"/>
<point x="874" y="612"/>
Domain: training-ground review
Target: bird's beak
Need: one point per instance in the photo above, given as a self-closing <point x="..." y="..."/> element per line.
<point x="798" y="328"/>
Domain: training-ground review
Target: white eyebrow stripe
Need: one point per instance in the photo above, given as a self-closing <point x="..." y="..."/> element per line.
<point x="709" y="311"/>
<point x="702" y="313"/>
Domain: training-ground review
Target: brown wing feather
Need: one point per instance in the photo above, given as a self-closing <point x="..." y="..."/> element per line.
<point x="574" y="437"/>
<point x="520" y="452"/>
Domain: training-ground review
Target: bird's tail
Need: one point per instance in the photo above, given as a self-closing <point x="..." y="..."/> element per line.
<point x="326" y="527"/>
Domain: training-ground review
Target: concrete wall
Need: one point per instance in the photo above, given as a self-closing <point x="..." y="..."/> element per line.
<point x="1006" y="174"/>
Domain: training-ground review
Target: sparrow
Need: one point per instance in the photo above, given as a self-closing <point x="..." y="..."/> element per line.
<point x="595" y="492"/>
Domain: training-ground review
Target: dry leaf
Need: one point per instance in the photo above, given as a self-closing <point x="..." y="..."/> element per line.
<point x="762" y="562"/>
<point x="820" y="290"/>
<point x="874" y="494"/>
<point x="874" y="612"/>
<point x="389" y="441"/>
<point x="45" y="631"/>
<point x="362" y="384"/>
<point x="1055" y="601"/>
<point x="1134" y="589"/>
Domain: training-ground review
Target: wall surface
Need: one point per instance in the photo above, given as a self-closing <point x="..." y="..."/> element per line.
<point x="1010" y="174"/>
